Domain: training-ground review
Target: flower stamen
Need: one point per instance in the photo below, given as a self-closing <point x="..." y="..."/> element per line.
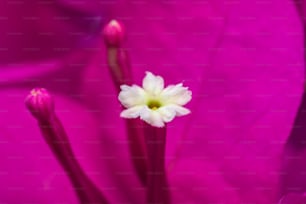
<point x="154" y="104"/>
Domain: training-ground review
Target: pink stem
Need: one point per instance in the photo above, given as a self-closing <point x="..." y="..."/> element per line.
<point x="120" y="69"/>
<point x="137" y="148"/>
<point x="157" y="185"/>
<point x="41" y="106"/>
<point x="57" y="140"/>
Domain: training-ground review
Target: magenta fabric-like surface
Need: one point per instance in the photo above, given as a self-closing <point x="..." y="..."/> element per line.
<point x="243" y="61"/>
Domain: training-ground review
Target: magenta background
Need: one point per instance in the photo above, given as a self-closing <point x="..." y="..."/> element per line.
<point x="243" y="61"/>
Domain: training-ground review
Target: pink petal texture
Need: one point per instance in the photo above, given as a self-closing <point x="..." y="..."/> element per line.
<point x="36" y="30"/>
<point x="246" y="78"/>
<point x="293" y="198"/>
<point x="243" y="61"/>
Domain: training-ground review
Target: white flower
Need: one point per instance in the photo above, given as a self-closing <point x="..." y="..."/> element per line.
<point x="153" y="103"/>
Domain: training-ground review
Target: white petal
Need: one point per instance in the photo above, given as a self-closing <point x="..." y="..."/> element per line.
<point x="167" y="113"/>
<point x="176" y="94"/>
<point x="133" y="112"/>
<point x="170" y="111"/>
<point x="131" y="96"/>
<point x="152" y="117"/>
<point x="153" y="84"/>
<point x="180" y="111"/>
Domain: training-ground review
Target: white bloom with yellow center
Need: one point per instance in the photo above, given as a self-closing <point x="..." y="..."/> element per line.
<point x="152" y="102"/>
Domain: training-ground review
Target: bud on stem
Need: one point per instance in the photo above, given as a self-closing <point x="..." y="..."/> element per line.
<point x="113" y="34"/>
<point x="40" y="103"/>
<point x="120" y="69"/>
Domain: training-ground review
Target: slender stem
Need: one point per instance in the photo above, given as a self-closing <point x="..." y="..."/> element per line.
<point x="56" y="138"/>
<point x="116" y="70"/>
<point x="137" y="148"/>
<point x="120" y="67"/>
<point x="157" y="185"/>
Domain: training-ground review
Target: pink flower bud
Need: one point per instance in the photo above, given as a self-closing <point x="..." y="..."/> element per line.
<point x="113" y="34"/>
<point x="40" y="103"/>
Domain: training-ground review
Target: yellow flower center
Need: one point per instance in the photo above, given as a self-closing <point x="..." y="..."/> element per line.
<point x="154" y="104"/>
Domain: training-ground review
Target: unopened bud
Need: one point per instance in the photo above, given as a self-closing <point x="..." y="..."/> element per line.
<point x="113" y="34"/>
<point x="40" y="103"/>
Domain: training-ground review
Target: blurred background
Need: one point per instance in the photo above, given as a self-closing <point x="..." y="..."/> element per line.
<point x="57" y="44"/>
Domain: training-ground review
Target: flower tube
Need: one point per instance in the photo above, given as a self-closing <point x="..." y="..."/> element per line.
<point x="40" y="103"/>
<point x="120" y="69"/>
<point x="155" y="105"/>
